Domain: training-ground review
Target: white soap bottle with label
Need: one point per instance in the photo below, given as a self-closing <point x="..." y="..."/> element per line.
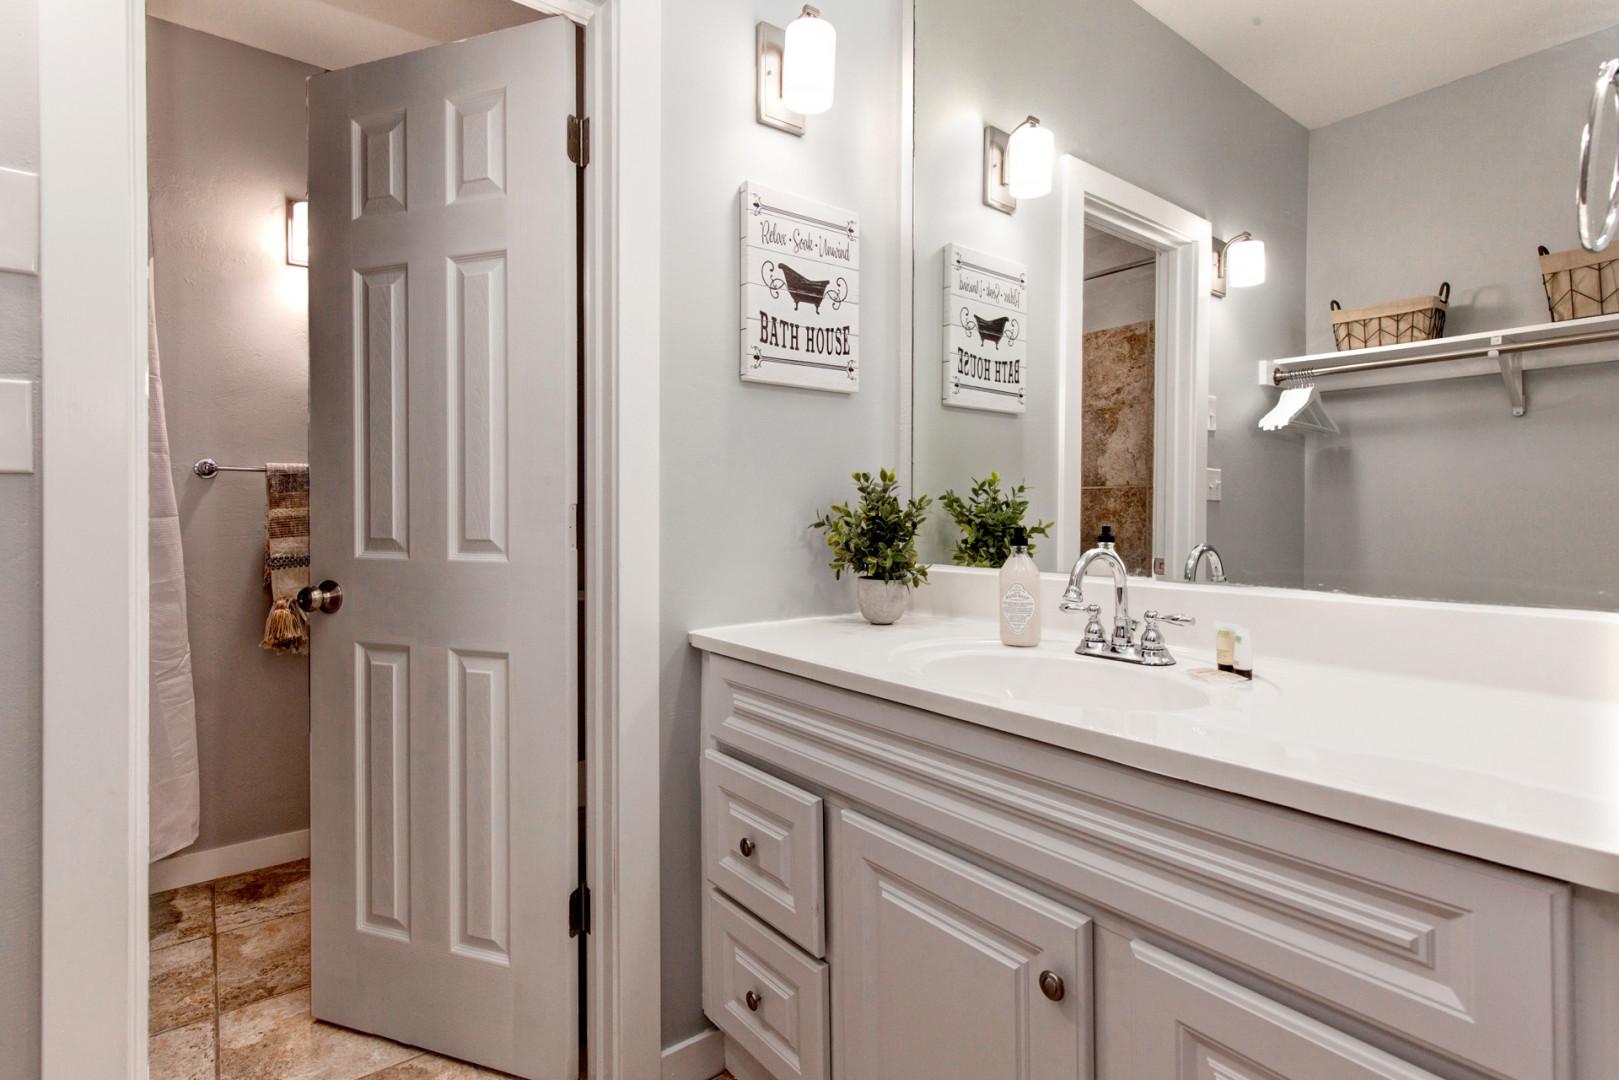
<point x="1020" y="595"/>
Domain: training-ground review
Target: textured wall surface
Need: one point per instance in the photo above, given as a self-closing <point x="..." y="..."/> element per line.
<point x="1121" y="91"/>
<point x="746" y="466"/>
<point x="228" y="146"/>
<point x="1433" y="489"/>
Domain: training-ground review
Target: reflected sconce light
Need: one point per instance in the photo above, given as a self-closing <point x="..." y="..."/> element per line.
<point x="797" y="70"/>
<point x="1017" y="166"/>
<point x="297" y="232"/>
<point x="1238" y="263"/>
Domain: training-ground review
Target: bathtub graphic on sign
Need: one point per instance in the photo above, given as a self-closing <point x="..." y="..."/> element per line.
<point x="985" y="350"/>
<point x="800" y="295"/>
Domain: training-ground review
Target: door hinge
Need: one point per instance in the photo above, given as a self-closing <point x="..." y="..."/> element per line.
<point x="579" y="140"/>
<point x="579" y="911"/>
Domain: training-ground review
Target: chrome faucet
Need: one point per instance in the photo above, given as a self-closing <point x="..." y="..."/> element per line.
<point x="1216" y="567"/>
<point x="1121" y="645"/>
<point x="1073" y="597"/>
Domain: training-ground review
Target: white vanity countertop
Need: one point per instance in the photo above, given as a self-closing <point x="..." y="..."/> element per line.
<point x="1529" y="780"/>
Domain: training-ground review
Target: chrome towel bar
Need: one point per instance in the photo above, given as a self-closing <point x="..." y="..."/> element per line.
<point x="208" y="468"/>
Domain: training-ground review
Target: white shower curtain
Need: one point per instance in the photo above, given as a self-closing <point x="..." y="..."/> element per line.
<point x="173" y="786"/>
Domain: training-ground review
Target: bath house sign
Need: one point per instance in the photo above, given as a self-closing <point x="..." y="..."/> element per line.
<point x="986" y="342"/>
<point x="800" y="292"/>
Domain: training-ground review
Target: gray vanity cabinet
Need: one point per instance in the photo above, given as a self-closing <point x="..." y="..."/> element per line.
<point x="946" y="969"/>
<point x="896" y="894"/>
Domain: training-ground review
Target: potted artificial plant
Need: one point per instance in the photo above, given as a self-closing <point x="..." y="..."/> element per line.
<point x="986" y="518"/>
<point x="876" y="540"/>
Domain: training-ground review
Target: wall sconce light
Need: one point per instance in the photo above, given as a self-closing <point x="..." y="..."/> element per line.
<point x="297" y="232"/>
<point x="1238" y="263"/>
<point x="1017" y="166"/>
<point x="797" y="70"/>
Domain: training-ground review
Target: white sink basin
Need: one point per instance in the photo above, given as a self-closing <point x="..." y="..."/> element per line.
<point x="989" y="670"/>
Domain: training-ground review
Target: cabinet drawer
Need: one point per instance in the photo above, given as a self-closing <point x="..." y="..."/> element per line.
<point x="765" y="994"/>
<point x="1190" y="1024"/>
<point x="944" y="969"/>
<point x="762" y="847"/>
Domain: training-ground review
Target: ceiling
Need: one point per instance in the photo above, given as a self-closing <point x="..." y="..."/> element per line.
<point x="1320" y="61"/>
<point x="341" y="33"/>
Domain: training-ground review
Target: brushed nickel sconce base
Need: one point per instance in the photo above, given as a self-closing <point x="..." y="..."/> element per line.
<point x="770" y="43"/>
<point x="996" y="195"/>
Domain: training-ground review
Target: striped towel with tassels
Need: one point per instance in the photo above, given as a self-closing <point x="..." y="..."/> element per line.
<point x="286" y="556"/>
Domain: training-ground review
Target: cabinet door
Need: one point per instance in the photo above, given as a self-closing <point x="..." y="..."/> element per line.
<point x="941" y="968"/>
<point x="1190" y="1024"/>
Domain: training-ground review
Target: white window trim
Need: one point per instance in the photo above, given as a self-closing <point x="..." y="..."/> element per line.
<point x="93" y="391"/>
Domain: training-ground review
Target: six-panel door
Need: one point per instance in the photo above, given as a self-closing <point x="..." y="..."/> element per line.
<point x="443" y="357"/>
<point x="943" y="969"/>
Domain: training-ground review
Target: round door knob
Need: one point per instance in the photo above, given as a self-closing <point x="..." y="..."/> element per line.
<point x="746" y="847"/>
<point x="326" y="597"/>
<point x="753" y="999"/>
<point x="1051" y="985"/>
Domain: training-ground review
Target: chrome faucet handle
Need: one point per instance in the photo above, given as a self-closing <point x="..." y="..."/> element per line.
<point x="1154" y="652"/>
<point x="1095" y="635"/>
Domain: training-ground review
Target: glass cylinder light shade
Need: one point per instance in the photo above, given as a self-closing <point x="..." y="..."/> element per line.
<point x="1245" y="263"/>
<point x="809" y="64"/>
<point x="1029" y="154"/>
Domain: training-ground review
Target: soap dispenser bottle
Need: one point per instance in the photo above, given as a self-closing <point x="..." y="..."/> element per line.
<point x="1020" y="595"/>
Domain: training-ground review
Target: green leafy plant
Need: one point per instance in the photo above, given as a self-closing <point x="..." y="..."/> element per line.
<point x="986" y="518"/>
<point x="877" y="537"/>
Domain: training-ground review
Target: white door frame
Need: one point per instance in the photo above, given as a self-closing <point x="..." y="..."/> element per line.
<point x="1185" y="246"/>
<point x="92" y="64"/>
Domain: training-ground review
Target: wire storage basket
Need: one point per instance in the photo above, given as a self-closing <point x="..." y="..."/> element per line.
<point x="1580" y="283"/>
<point x="1398" y="322"/>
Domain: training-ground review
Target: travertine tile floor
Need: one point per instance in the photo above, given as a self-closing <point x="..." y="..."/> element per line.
<point x="230" y="992"/>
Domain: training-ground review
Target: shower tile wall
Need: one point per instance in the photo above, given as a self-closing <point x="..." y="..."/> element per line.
<point x="1116" y="440"/>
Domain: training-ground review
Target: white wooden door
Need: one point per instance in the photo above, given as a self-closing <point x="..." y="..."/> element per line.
<point x="937" y="967"/>
<point x="443" y="385"/>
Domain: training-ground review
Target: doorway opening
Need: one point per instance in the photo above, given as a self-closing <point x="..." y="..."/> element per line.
<point x="1116" y="440"/>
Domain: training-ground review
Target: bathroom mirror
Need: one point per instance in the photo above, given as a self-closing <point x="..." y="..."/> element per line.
<point x="1398" y="210"/>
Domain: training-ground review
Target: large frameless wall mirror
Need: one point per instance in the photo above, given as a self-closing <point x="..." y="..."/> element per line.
<point x="1287" y="281"/>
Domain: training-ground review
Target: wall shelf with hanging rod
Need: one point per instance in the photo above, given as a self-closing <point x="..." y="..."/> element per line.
<point x="1506" y="354"/>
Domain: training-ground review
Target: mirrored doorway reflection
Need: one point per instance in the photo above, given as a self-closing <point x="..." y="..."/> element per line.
<point x="1116" y="425"/>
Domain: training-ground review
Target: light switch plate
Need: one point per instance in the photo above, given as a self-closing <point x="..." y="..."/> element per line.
<point x="16" y="426"/>
<point x="1211" y="484"/>
<point x="1211" y="413"/>
<point x="19" y="221"/>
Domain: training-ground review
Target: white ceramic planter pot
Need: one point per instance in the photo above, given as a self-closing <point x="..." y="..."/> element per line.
<point x="883" y="602"/>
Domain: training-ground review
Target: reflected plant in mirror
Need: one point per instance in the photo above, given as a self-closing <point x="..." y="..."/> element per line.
<point x="987" y="518"/>
<point x="1342" y="158"/>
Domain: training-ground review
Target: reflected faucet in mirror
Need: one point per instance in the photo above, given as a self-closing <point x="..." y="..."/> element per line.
<point x="1195" y="559"/>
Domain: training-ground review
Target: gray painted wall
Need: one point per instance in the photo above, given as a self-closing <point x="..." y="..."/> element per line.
<point x="745" y="467"/>
<point x="1124" y="93"/>
<point x="19" y="589"/>
<point x="1433" y="489"/>
<point x="227" y="146"/>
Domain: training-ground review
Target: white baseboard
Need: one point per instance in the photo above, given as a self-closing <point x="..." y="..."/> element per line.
<point x="701" y="1057"/>
<point x="195" y="867"/>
